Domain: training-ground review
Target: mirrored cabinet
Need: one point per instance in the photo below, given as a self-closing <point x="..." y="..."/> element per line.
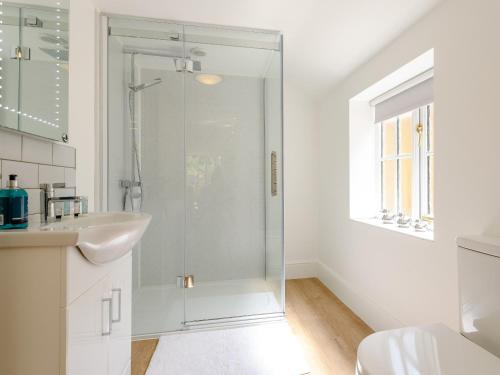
<point x="34" y="68"/>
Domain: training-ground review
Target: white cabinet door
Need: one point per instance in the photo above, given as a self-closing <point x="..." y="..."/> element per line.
<point x="120" y="339"/>
<point x="88" y="325"/>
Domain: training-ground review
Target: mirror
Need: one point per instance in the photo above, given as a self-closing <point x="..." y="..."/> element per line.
<point x="34" y="67"/>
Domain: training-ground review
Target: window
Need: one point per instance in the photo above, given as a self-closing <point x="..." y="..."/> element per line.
<point x="391" y="151"/>
<point x="405" y="163"/>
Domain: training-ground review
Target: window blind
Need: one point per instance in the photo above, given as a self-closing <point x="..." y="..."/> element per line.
<point x="407" y="100"/>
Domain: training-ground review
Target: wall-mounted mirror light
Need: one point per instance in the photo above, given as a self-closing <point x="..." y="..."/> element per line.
<point x="34" y="68"/>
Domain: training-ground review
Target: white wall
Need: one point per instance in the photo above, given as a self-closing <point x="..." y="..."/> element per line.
<point x="82" y="90"/>
<point x="301" y="184"/>
<point x="392" y="279"/>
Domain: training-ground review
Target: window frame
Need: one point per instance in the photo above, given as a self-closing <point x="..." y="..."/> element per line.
<point x="420" y="168"/>
<point x="426" y="152"/>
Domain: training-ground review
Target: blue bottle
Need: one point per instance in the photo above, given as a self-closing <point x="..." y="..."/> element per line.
<point x="4" y="208"/>
<point x="13" y="206"/>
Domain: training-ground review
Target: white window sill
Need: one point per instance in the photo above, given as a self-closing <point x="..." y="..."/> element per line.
<point x="428" y="235"/>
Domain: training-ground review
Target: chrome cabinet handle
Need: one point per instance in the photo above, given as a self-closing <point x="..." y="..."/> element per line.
<point x="113" y="292"/>
<point x="109" y="317"/>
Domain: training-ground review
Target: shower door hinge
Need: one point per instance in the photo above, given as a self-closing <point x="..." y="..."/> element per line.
<point x="20" y="53"/>
<point x="33" y="22"/>
<point x="185" y="281"/>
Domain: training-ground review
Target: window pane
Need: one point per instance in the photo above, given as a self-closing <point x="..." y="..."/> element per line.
<point x="405" y="142"/>
<point x="389" y="138"/>
<point x="389" y="185"/>
<point x="430" y="128"/>
<point x="430" y="185"/>
<point x="405" y="185"/>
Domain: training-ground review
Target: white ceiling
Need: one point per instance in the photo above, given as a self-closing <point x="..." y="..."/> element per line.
<point x="324" y="40"/>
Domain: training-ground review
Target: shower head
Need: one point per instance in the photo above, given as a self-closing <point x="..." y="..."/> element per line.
<point x="187" y="65"/>
<point x="145" y="85"/>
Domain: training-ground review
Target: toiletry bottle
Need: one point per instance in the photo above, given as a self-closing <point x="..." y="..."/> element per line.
<point x="18" y="205"/>
<point x="4" y="208"/>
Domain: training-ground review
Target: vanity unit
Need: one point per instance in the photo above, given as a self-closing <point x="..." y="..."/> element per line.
<point x="65" y="292"/>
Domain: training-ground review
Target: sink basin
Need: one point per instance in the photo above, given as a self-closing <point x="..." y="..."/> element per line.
<point x="101" y="237"/>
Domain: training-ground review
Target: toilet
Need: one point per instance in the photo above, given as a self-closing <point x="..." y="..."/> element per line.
<point x="436" y="349"/>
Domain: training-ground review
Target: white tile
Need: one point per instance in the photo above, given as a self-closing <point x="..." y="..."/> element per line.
<point x="50" y="174"/>
<point x="36" y="151"/>
<point x="63" y="155"/>
<point x="70" y="177"/>
<point x="27" y="173"/>
<point x="33" y="219"/>
<point x="33" y="201"/>
<point x="65" y="192"/>
<point x="10" y="146"/>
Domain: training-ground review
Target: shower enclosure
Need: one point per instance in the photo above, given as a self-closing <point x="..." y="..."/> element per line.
<point x="194" y="137"/>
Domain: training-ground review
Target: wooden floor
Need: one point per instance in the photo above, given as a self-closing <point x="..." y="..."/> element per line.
<point x="142" y="351"/>
<point x="328" y="331"/>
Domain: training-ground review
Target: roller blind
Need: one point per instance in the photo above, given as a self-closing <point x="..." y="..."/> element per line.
<point x="410" y="99"/>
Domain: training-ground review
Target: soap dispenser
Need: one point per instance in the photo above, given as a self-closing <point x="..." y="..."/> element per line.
<point x="4" y="208"/>
<point x="13" y="206"/>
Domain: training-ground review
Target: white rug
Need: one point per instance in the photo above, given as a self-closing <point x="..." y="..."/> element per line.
<point x="266" y="349"/>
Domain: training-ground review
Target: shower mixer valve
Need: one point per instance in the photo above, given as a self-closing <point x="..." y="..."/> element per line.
<point x="129" y="186"/>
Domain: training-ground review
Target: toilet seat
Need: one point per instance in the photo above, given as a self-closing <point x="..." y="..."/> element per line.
<point x="425" y="350"/>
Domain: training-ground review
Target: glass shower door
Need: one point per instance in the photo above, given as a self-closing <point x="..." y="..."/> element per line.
<point x="233" y="227"/>
<point x="146" y="162"/>
<point x="194" y="139"/>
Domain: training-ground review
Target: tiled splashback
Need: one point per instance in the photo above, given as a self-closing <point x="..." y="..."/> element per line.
<point x="36" y="161"/>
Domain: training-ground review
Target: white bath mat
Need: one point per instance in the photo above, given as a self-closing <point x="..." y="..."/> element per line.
<point x="266" y="349"/>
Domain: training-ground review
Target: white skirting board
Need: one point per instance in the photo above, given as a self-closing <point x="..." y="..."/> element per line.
<point x="368" y="310"/>
<point x="301" y="269"/>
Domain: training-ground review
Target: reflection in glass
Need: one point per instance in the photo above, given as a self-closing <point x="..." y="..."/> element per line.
<point x="405" y="183"/>
<point x="389" y="129"/>
<point x="34" y="63"/>
<point x="9" y="73"/>
<point x="389" y="185"/>
<point x="430" y="128"/>
<point x="405" y="132"/>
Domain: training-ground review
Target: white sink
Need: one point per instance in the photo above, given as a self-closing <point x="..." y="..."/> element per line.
<point x="101" y="237"/>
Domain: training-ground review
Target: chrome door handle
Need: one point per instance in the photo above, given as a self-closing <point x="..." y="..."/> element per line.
<point x="109" y="317"/>
<point x="274" y="174"/>
<point x="113" y="292"/>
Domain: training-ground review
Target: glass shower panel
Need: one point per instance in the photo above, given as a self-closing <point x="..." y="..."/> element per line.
<point x="9" y="74"/>
<point x="44" y="72"/>
<point x="273" y="91"/>
<point x="160" y="257"/>
<point x="146" y="162"/>
<point x="228" y="174"/>
<point x="194" y="139"/>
